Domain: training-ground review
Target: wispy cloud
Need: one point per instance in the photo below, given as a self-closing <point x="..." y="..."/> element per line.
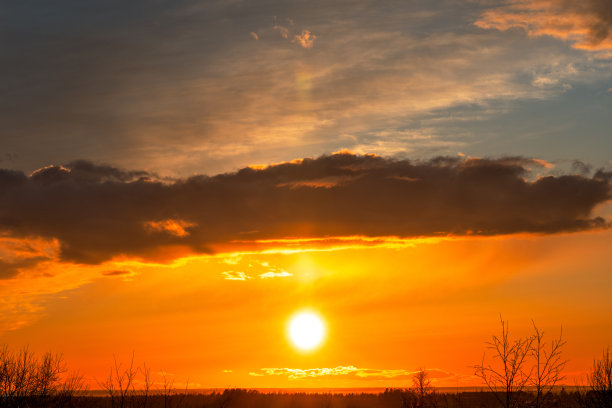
<point x="23" y="253"/>
<point x="284" y="31"/>
<point x="235" y="275"/>
<point x="586" y="24"/>
<point x="275" y="274"/>
<point x="161" y="103"/>
<point x="271" y="272"/>
<point x="179" y="228"/>
<point x="23" y="297"/>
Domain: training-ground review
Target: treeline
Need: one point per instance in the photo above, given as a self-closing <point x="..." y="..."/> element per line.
<point x="390" y="398"/>
<point x="242" y="398"/>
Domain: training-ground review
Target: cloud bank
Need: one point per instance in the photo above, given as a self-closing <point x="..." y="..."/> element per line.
<point x="96" y="213"/>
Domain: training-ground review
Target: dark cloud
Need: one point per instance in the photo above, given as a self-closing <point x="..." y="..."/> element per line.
<point x="86" y="172"/>
<point x="116" y="273"/>
<point x="9" y="269"/>
<point x="599" y="23"/>
<point x="581" y="167"/>
<point x="97" y="212"/>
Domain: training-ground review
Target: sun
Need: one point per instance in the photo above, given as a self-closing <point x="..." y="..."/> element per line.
<point x="306" y="330"/>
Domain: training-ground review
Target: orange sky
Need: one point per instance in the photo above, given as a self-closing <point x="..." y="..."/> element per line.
<point x="388" y="311"/>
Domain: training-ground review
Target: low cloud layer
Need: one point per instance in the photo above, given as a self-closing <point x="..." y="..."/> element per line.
<point x="586" y="23"/>
<point x="96" y="213"/>
<point x="353" y="372"/>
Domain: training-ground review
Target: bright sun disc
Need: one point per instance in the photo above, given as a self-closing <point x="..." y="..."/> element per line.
<point x="306" y="330"/>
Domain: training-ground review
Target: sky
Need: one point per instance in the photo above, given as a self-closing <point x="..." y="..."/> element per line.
<point x="179" y="178"/>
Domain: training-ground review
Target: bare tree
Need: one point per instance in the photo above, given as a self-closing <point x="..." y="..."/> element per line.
<point x="548" y="364"/>
<point x="421" y="385"/>
<point x="26" y="380"/>
<point x="119" y="384"/>
<point x="508" y="373"/>
<point x="24" y="376"/>
<point x="71" y="387"/>
<point x="600" y="380"/>
<point x="49" y="370"/>
<point x="143" y="399"/>
<point x="172" y="397"/>
<point x="168" y="389"/>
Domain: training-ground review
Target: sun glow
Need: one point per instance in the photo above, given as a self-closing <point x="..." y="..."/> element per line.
<point x="306" y="330"/>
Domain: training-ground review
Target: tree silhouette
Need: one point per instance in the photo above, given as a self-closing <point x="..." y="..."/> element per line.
<point x="508" y="372"/>
<point x="600" y="380"/>
<point x="119" y="384"/>
<point x="27" y="380"/>
<point x="548" y="365"/>
<point x="421" y="386"/>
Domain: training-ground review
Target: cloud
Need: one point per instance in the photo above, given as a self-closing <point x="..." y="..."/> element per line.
<point x="23" y="298"/>
<point x="284" y="31"/>
<point x="173" y="227"/>
<point x="271" y="272"/>
<point x="235" y="276"/>
<point x="117" y="272"/>
<point x="23" y="253"/>
<point x="11" y="269"/>
<point x="587" y="24"/>
<point x="305" y="39"/>
<point x="275" y="274"/>
<point x="352" y="372"/>
<point x="97" y="213"/>
<point x="581" y="168"/>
